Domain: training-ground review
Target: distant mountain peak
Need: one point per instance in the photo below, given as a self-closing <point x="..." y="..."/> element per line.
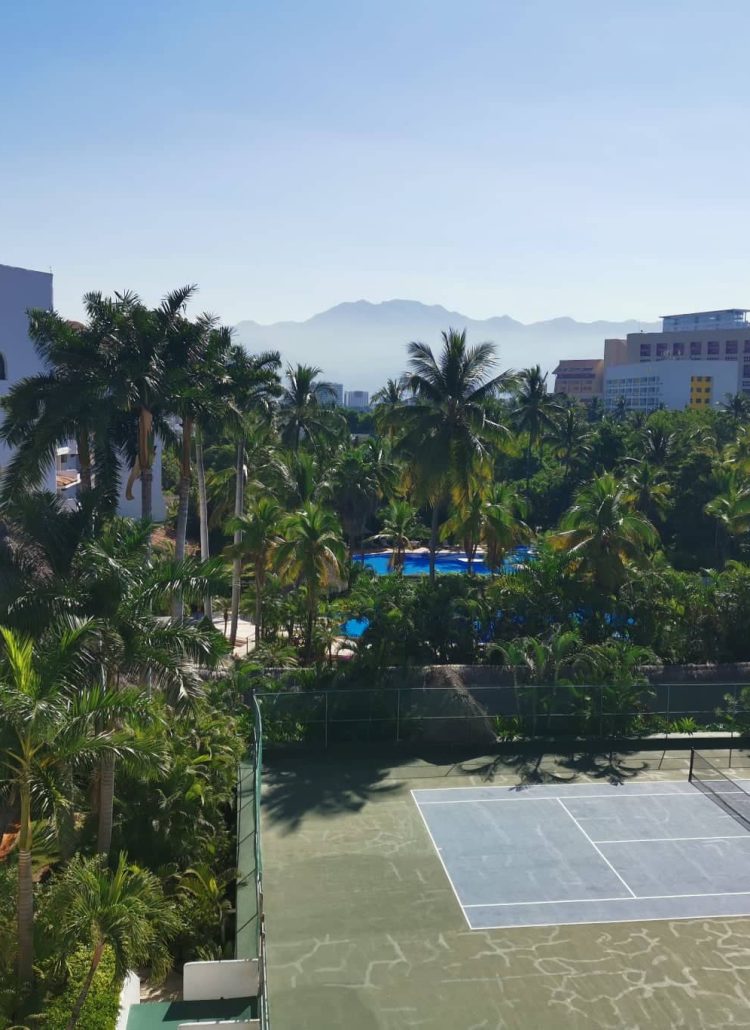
<point x="361" y="343"/>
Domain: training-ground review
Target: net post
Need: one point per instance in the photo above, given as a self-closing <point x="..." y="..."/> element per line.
<point x="692" y="759"/>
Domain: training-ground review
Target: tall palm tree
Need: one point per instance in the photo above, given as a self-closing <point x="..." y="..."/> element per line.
<point x="48" y="722"/>
<point x="123" y="909"/>
<point x="195" y="359"/>
<point x="658" y="445"/>
<point x="737" y="453"/>
<point x="303" y="411"/>
<point x="384" y="401"/>
<point x="534" y="411"/>
<point x="254" y="385"/>
<point x="649" y="491"/>
<point x="604" y="532"/>
<point x="503" y="526"/>
<point x="446" y="435"/>
<point x="259" y="529"/>
<point x="311" y="554"/>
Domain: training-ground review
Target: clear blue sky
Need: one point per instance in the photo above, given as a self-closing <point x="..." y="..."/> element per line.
<point x="529" y="157"/>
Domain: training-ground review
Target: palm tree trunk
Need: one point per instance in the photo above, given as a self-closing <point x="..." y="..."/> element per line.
<point x="84" y="460"/>
<point x="309" y="632"/>
<point x="145" y="421"/>
<point x="239" y="506"/>
<point x="183" y="502"/>
<point x="25" y="892"/>
<point x="433" y="537"/>
<point x="258" y="602"/>
<point x="106" y="803"/>
<point x="86" y="985"/>
<point x="203" y="512"/>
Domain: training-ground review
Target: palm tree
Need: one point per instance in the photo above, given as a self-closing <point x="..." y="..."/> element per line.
<point x="658" y="445"/>
<point x="737" y="406"/>
<point x="466" y="523"/>
<point x="384" y="401"/>
<point x="605" y="533"/>
<point x="400" y="529"/>
<point x="311" y="554"/>
<point x="259" y="530"/>
<point x="123" y="909"/>
<point x="446" y="435"/>
<point x="534" y="411"/>
<point x="138" y="368"/>
<point x="649" y="491"/>
<point x="303" y="413"/>
<point x="48" y="722"/>
<point x="254" y="386"/>
<point x="737" y="453"/>
<point x="731" y="509"/>
<point x="196" y="368"/>
<point x="569" y="436"/>
<point x="69" y="400"/>
<point x="502" y="527"/>
<point x="361" y="475"/>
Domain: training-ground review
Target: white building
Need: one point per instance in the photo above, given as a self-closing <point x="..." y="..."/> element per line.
<point x="695" y="361"/>
<point x="20" y="290"/>
<point x="333" y="394"/>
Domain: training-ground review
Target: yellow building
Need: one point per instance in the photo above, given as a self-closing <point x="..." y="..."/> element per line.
<point x="701" y="390"/>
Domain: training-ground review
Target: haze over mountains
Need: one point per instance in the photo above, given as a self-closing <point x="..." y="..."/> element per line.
<point x="361" y="344"/>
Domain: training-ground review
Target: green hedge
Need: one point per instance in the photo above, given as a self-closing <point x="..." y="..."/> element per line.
<point x="103" y="1003"/>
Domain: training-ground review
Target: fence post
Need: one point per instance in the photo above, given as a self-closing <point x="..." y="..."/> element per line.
<point x="669" y="708"/>
<point x="601" y="711"/>
<point x="398" y="714"/>
<point x="325" y="720"/>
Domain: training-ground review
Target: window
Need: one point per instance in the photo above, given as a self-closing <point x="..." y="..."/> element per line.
<point x="3" y="373"/>
<point x="678" y="350"/>
<point x="645" y="350"/>
<point x="746" y="347"/>
<point x="661" y="350"/>
<point x="712" y="348"/>
<point x="695" y="349"/>
<point x="731" y="348"/>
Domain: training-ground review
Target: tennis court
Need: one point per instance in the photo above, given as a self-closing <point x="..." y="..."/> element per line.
<point x="565" y="854"/>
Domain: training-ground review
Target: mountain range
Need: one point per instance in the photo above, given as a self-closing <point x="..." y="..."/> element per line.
<point x="361" y="344"/>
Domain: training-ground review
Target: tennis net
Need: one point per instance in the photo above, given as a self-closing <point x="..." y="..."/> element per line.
<point x="726" y="792"/>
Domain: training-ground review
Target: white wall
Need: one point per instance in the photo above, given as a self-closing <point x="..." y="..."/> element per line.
<point x="674" y="377"/>
<point x="129" y="995"/>
<point x="235" y="1024"/>
<point x="21" y="289"/>
<point x="226" y="978"/>
<point x="132" y="509"/>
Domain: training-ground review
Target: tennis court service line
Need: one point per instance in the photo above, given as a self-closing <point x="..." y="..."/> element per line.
<point x="566" y="797"/>
<point x="596" y="849"/>
<point x="596" y="901"/>
<point x="657" y="840"/>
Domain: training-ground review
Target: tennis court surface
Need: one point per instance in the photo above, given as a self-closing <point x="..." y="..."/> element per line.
<point x="588" y="853"/>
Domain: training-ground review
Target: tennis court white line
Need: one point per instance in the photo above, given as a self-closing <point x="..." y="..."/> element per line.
<point x="656" y="840"/>
<point x="596" y="849"/>
<point x="595" y="901"/>
<point x="557" y="797"/>
<point x="442" y="863"/>
<point x="522" y="788"/>
<point x="608" y="922"/>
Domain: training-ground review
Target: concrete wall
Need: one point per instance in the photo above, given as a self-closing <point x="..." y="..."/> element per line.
<point x="235" y="1024"/>
<point x="672" y="381"/>
<point x="226" y="978"/>
<point x="129" y="995"/>
<point x="20" y="289"/>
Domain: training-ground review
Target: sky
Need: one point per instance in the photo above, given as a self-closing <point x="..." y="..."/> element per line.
<point x="535" y="158"/>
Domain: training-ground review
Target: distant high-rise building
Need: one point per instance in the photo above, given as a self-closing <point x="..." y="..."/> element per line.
<point x="359" y="399"/>
<point x="580" y="378"/>
<point x="332" y="393"/>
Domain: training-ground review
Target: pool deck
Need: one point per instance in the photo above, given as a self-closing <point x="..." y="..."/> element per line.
<point x="365" y="931"/>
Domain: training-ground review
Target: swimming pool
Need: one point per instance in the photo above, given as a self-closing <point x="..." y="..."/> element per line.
<point x="450" y="564"/>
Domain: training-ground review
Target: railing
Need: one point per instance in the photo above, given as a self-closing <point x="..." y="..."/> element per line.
<point x="257" y="785"/>
<point x="250" y="933"/>
<point x="439" y="714"/>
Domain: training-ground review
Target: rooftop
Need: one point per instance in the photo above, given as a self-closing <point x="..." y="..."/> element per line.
<point x="161" y="1015"/>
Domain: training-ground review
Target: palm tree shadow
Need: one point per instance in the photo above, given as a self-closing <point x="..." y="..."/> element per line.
<point x="611" y="766"/>
<point x="295" y="787"/>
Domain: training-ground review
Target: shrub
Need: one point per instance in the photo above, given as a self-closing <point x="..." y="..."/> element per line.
<point x="102" y="1004"/>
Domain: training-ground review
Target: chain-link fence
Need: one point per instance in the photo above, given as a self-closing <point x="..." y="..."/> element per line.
<point x="492" y="713"/>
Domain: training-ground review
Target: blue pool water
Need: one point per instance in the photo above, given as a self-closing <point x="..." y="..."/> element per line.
<point x="419" y="564"/>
